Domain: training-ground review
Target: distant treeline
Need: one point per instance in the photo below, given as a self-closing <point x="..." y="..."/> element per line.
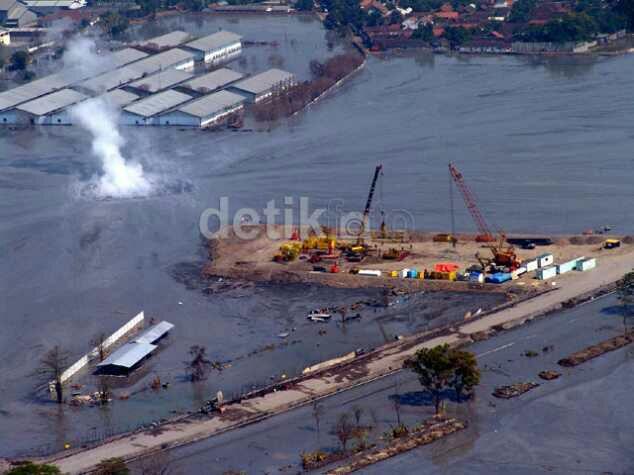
<point x="325" y="75"/>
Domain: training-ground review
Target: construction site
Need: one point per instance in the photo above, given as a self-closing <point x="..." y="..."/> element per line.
<point x="488" y="259"/>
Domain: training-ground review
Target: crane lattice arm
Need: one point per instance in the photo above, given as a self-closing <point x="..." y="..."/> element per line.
<point x="368" y="203"/>
<point x="470" y="202"/>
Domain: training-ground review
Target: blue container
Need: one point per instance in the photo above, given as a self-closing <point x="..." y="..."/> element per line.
<point x="499" y="278"/>
<point x="412" y="274"/>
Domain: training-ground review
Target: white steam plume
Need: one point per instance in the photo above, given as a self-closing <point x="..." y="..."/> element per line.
<point x="121" y="178"/>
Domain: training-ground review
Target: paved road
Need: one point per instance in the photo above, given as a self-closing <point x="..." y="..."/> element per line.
<point x="580" y="423"/>
<point x="612" y="268"/>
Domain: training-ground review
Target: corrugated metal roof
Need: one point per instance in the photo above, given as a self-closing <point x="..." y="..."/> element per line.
<point x="119" y="97"/>
<point x="127" y="55"/>
<point x="60" y="80"/>
<point x="162" y="80"/>
<point x="264" y="81"/>
<point x="215" y="80"/>
<point x="214" y="41"/>
<point x="157" y="103"/>
<point x="52" y="102"/>
<point x="154" y="333"/>
<point x="151" y="64"/>
<point x="168" y="40"/>
<point x="128" y="355"/>
<point x="212" y="104"/>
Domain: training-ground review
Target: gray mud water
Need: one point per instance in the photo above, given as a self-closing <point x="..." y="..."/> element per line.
<point x="547" y="146"/>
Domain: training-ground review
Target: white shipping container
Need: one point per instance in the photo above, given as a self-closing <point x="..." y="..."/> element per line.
<point x="531" y="265"/>
<point x="374" y="273"/>
<point x="521" y="270"/>
<point x="545" y="260"/>
<point x="586" y="264"/>
<point x="404" y="273"/>
<point x="546" y="273"/>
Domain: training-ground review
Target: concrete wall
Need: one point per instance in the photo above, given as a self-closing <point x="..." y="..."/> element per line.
<point x="111" y="340"/>
<point x="179" y="118"/>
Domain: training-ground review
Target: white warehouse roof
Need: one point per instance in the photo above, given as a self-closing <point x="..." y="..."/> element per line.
<point x="215" y="41"/>
<point x="127" y="55"/>
<point x="162" y="80"/>
<point x="215" y="80"/>
<point x="151" y="64"/>
<point x="155" y="333"/>
<point x="119" y="97"/>
<point x="212" y="104"/>
<point x="52" y="102"/>
<point x="168" y="40"/>
<point x="157" y="103"/>
<point x="128" y="355"/>
<point x="264" y="81"/>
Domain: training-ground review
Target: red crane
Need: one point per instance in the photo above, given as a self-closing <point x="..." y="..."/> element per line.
<point x="503" y="254"/>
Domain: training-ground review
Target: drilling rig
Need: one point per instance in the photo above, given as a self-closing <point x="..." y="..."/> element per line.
<point x="503" y="254"/>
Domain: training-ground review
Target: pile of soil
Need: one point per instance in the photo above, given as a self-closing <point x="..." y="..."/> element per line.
<point x="514" y="390"/>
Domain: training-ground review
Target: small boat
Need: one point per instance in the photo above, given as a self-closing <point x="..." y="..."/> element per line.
<point x="283" y="334"/>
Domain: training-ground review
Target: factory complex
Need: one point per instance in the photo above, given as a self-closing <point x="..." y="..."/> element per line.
<point x="154" y="82"/>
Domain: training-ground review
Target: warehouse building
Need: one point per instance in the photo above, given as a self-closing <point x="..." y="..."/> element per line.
<point x="203" y="112"/>
<point x="169" y="40"/>
<point x="129" y="357"/>
<point x="216" y="48"/>
<point x="144" y="112"/>
<point x="61" y="80"/>
<point x="212" y="81"/>
<point x="50" y="109"/>
<point x="170" y="59"/>
<point x="15" y="14"/>
<point x="158" y="82"/>
<point x="263" y="85"/>
<point x="44" y="7"/>
<point x="120" y="98"/>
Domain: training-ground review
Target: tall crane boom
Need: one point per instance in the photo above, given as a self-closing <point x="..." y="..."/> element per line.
<point x="485" y="234"/>
<point x="368" y="203"/>
<point x="503" y="255"/>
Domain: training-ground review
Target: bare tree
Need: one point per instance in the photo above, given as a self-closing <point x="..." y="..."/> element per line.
<point x="344" y="430"/>
<point x="318" y="411"/>
<point x="52" y="365"/>
<point x="199" y="365"/>
<point x="100" y="344"/>
<point x="357" y="412"/>
<point x="396" y="401"/>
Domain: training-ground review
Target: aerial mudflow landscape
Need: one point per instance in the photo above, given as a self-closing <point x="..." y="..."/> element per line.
<point x="316" y="237"/>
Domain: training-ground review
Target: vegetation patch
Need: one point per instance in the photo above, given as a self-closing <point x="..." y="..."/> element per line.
<point x="514" y="390"/>
<point x="597" y="350"/>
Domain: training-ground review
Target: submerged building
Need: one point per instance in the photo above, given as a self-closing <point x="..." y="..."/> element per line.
<point x="51" y="109"/>
<point x="129" y="357"/>
<point x="264" y="85"/>
<point x="203" y="112"/>
<point x="217" y="48"/>
<point x="145" y="111"/>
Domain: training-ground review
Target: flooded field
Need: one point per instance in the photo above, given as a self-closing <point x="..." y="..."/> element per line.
<point x="547" y="146"/>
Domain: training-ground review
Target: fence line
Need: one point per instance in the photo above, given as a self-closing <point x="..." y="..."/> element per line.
<point x="107" y="343"/>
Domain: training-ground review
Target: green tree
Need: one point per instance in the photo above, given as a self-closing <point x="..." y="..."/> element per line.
<point x="522" y="10"/>
<point x="20" y="60"/>
<point x="457" y="35"/>
<point x="441" y="368"/>
<point x="435" y="370"/>
<point x="304" y="5"/>
<point x="114" y="23"/>
<point x="112" y="466"/>
<point x="31" y="468"/>
<point x="626" y="8"/>
<point x="466" y="372"/>
<point x="424" y="33"/>
<point x="625" y="293"/>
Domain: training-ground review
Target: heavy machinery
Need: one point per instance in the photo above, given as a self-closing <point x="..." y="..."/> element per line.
<point x="503" y="254"/>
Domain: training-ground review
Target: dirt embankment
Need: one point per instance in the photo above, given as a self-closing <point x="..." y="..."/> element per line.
<point x="252" y="260"/>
